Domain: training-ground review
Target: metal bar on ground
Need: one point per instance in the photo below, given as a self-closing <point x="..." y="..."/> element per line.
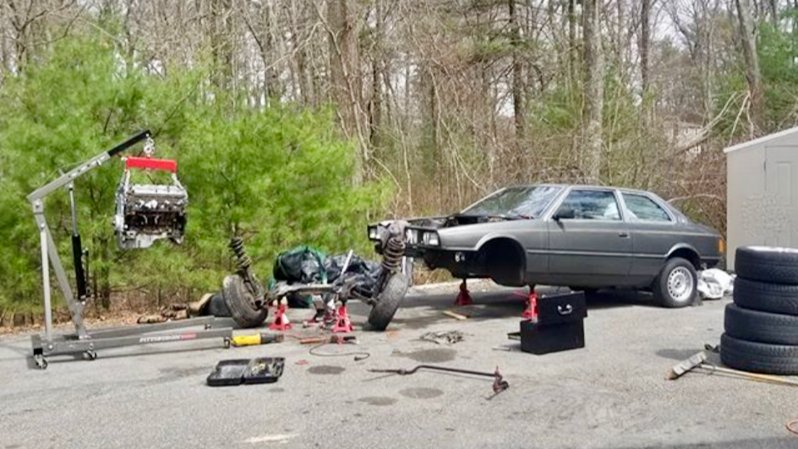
<point x="64" y="345"/>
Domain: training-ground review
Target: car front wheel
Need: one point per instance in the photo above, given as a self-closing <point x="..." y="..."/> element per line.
<point x="676" y="284"/>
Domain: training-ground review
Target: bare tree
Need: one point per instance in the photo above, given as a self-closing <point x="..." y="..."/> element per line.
<point x="572" y="53"/>
<point x="518" y="72"/>
<point x="593" y="90"/>
<point x="645" y="42"/>
<point x="345" y="77"/>
<point x="752" y="73"/>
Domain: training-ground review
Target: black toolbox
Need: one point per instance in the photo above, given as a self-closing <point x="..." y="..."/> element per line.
<point x="260" y="370"/>
<point x="560" y="324"/>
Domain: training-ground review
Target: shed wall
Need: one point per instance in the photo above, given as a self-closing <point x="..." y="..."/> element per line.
<point x="762" y="192"/>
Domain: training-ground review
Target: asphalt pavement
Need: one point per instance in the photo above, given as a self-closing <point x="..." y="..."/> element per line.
<point x="611" y="394"/>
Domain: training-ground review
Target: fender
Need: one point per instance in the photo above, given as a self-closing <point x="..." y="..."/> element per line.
<point x="493" y="236"/>
<point x="680" y="246"/>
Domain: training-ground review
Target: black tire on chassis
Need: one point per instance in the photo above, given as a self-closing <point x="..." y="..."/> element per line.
<point x="758" y="357"/>
<point x="388" y="301"/>
<point x="239" y="302"/>
<point x="765" y="297"/>
<point x="774" y="265"/>
<point x="663" y="295"/>
<point x="762" y="327"/>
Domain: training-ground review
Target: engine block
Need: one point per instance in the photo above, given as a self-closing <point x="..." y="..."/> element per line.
<point x="146" y="213"/>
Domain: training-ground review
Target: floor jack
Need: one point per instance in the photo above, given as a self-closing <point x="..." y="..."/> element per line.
<point x="144" y="214"/>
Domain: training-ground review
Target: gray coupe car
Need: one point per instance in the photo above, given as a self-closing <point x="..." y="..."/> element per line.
<point x="583" y="237"/>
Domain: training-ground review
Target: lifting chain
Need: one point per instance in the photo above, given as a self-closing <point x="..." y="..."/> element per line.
<point x="149" y="147"/>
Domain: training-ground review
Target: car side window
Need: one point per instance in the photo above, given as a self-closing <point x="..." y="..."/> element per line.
<point x="643" y="208"/>
<point x="590" y="205"/>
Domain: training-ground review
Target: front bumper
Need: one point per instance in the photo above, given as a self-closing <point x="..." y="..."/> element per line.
<point x="417" y="239"/>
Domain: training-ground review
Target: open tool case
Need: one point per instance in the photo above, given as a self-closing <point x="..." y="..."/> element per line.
<point x="260" y="370"/>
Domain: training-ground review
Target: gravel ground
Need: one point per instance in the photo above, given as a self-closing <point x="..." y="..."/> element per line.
<point x="611" y="394"/>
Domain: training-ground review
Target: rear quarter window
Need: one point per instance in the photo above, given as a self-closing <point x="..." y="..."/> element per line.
<point x="643" y="208"/>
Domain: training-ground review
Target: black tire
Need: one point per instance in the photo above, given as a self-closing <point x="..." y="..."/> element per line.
<point x="758" y="357"/>
<point x="217" y="306"/>
<point x="664" y="295"/>
<point x="775" y="265"/>
<point x="765" y="297"/>
<point x="388" y="302"/>
<point x="761" y="327"/>
<point x="239" y="302"/>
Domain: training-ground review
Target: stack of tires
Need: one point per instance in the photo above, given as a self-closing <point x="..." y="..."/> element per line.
<point x="762" y="323"/>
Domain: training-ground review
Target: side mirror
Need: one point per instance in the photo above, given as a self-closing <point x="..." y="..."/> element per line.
<point x="564" y="213"/>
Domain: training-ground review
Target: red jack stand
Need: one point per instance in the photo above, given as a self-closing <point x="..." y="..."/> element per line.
<point x="342" y="323"/>
<point x="464" y="297"/>
<point x="281" y="322"/>
<point x="322" y="317"/>
<point x="325" y="313"/>
<point x="531" y="310"/>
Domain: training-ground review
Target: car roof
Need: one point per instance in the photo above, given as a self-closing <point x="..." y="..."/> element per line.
<point x="583" y="186"/>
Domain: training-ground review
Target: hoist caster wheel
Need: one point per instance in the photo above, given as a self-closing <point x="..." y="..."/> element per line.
<point x="226" y="343"/>
<point x="40" y="361"/>
<point x="90" y="355"/>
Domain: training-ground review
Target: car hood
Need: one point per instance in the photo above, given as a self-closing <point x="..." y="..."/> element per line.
<point x="461" y="220"/>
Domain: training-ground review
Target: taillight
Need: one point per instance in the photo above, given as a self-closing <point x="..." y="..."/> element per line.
<point x="721" y="246"/>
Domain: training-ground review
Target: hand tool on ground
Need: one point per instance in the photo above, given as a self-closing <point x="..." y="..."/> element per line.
<point x="255" y="339"/>
<point x="449" y="337"/>
<point x="499" y="384"/>
<point x="335" y="339"/>
<point x="328" y="339"/>
<point x="455" y="315"/>
<point x="697" y="360"/>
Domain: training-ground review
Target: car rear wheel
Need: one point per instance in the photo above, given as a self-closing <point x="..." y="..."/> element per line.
<point x="676" y="284"/>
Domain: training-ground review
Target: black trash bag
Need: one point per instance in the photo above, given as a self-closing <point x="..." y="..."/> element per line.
<point x="301" y="264"/>
<point x="307" y="265"/>
<point x="334" y="264"/>
<point x="363" y="273"/>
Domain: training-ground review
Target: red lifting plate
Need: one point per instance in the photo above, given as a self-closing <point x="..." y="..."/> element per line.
<point x="151" y="164"/>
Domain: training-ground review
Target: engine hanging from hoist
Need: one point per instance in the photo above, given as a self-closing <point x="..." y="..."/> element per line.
<point x="146" y="213"/>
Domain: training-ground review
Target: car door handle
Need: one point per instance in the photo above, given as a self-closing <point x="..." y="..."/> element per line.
<point x="623" y="235"/>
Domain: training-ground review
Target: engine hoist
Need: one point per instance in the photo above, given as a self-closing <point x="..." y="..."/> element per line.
<point x="145" y="213"/>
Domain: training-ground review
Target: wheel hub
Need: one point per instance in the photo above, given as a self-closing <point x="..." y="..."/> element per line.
<point x="680" y="284"/>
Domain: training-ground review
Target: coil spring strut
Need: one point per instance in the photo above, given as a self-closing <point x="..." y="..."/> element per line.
<point x="393" y="253"/>
<point x="243" y="262"/>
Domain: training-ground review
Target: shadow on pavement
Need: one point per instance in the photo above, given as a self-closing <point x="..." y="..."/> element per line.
<point x="425" y="309"/>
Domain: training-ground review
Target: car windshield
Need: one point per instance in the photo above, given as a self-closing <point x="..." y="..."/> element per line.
<point x="525" y="202"/>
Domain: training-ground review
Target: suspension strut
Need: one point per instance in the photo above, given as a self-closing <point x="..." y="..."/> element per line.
<point x="392" y="253"/>
<point x="243" y="264"/>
